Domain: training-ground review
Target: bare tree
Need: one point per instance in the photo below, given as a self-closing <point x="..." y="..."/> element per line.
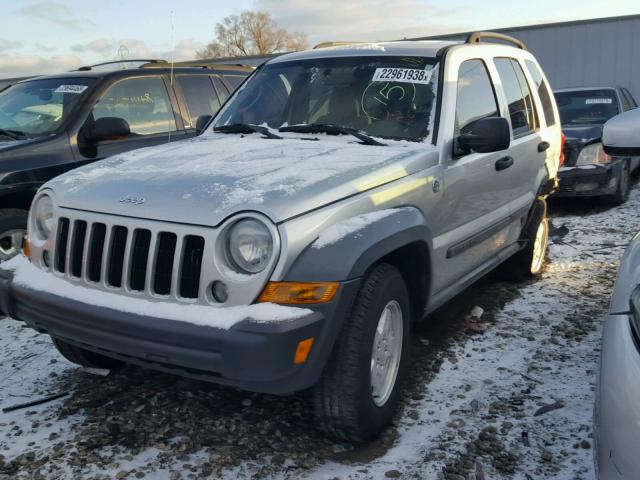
<point x="251" y="33"/>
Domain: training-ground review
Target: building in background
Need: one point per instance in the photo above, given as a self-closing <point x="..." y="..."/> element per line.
<point x="597" y="52"/>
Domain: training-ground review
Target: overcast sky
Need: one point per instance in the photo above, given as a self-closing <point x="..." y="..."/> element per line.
<point x="51" y="36"/>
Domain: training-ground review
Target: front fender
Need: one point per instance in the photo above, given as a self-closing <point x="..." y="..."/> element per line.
<point x="347" y="249"/>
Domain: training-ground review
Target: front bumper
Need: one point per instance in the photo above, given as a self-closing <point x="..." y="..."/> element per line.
<point x="252" y="356"/>
<point x="617" y="410"/>
<point x="589" y="180"/>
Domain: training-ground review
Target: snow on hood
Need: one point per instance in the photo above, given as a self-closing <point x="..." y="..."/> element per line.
<point x="205" y="179"/>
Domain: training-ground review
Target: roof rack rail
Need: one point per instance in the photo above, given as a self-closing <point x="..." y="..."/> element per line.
<point x="477" y="37"/>
<point x="146" y="61"/>
<point x="333" y="44"/>
<point x="219" y="66"/>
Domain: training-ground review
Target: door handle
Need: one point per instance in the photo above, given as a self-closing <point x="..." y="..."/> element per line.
<point x="542" y="146"/>
<point x="504" y="163"/>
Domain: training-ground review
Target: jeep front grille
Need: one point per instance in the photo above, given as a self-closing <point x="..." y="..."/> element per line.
<point x="135" y="259"/>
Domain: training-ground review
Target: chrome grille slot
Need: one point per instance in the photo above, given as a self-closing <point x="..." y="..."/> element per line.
<point x="164" y="263"/>
<point x="192" y="251"/>
<point x="115" y="261"/>
<point x="61" y="245"/>
<point x="139" y="259"/>
<point x="77" y="248"/>
<point x="96" y="250"/>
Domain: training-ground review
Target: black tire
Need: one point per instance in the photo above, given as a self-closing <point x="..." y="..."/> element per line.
<point x="519" y="267"/>
<point x="343" y="399"/>
<point x="11" y="219"/>
<point x="85" y="358"/>
<point x="624" y="186"/>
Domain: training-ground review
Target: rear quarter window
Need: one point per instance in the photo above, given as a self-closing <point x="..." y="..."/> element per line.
<point x="519" y="98"/>
<point x="543" y="92"/>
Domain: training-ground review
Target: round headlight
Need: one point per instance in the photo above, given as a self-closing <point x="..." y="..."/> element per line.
<point x="43" y="216"/>
<point x="249" y="245"/>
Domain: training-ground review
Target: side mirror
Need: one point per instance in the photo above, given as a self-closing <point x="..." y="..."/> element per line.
<point x="621" y="135"/>
<point x="485" y="135"/>
<point x="202" y="122"/>
<point x="108" y="128"/>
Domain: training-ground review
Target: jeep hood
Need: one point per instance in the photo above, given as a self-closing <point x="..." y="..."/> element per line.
<point x="204" y="180"/>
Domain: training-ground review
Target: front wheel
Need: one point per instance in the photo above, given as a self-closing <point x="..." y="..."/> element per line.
<point x="13" y="228"/>
<point x="356" y="397"/>
<point x="529" y="262"/>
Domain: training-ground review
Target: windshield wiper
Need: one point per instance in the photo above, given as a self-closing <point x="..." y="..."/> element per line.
<point x="14" y="134"/>
<point x="246" y="128"/>
<point x="332" y="129"/>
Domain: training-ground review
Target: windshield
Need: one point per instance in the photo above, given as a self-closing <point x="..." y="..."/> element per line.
<point x="389" y="97"/>
<point x="39" y="107"/>
<point x="592" y="107"/>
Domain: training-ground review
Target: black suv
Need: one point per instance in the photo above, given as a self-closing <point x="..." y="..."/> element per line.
<point x="51" y="124"/>
<point x="588" y="170"/>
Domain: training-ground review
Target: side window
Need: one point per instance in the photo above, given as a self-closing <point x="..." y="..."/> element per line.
<point x="626" y="100"/>
<point x="543" y="93"/>
<point x="234" y="80"/>
<point x="475" y="98"/>
<point x="632" y="101"/>
<point x="143" y="102"/>
<point x="519" y="99"/>
<point x="199" y="94"/>
<point x="223" y="93"/>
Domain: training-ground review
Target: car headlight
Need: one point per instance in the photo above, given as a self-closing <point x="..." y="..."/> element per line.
<point x="43" y="216"/>
<point x="592" y="154"/>
<point x="249" y="245"/>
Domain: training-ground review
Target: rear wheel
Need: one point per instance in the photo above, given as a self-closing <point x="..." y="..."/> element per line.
<point x="624" y="185"/>
<point x="356" y="397"/>
<point x="85" y="358"/>
<point x="13" y="228"/>
<point x="529" y="261"/>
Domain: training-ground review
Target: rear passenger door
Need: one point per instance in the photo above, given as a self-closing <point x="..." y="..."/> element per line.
<point x="528" y="149"/>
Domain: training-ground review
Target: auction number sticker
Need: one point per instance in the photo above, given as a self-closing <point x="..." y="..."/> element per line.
<point x="404" y="75"/>
<point x="70" y="89"/>
<point x="590" y="101"/>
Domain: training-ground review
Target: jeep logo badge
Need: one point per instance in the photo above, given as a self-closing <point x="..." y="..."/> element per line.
<point x="133" y="200"/>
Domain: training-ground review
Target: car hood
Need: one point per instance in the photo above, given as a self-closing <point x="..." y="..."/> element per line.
<point x="204" y="180"/>
<point x="582" y="133"/>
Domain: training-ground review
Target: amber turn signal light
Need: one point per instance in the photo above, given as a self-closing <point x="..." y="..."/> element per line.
<point x="298" y="293"/>
<point x="303" y="350"/>
<point x="26" y="248"/>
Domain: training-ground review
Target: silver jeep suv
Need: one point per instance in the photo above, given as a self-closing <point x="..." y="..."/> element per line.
<point x="340" y="195"/>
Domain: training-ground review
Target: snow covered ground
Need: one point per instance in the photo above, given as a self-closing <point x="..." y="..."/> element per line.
<point x="470" y="408"/>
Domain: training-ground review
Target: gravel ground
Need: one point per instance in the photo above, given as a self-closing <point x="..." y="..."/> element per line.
<point x="477" y="382"/>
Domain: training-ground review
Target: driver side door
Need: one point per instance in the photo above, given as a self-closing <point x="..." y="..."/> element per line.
<point x="475" y="210"/>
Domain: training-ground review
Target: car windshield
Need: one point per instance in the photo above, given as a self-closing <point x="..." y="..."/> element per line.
<point x="592" y="107"/>
<point x="39" y="107"/>
<point x="385" y="96"/>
